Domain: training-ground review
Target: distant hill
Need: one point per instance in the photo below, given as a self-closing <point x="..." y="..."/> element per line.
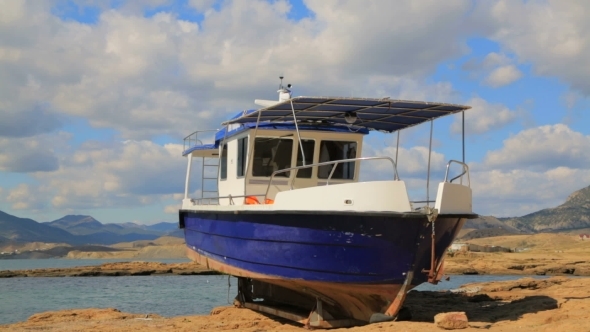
<point x="489" y="232"/>
<point x="573" y="214"/>
<point x="84" y="225"/>
<point x="487" y="222"/>
<point x="78" y="230"/>
<point x="96" y="232"/>
<point x="164" y="228"/>
<point x="167" y="227"/>
<point x="487" y="226"/>
<point x="28" y="230"/>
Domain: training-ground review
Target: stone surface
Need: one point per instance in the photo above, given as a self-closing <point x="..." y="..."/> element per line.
<point x="114" y="270"/>
<point x="451" y="320"/>
<point x="557" y="304"/>
<point x="527" y="263"/>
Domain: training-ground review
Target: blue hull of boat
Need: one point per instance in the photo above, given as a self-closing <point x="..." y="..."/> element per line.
<point x="348" y="248"/>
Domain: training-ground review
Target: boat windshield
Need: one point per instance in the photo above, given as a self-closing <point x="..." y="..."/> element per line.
<point x="270" y="155"/>
<point x="308" y="147"/>
<point x="337" y="150"/>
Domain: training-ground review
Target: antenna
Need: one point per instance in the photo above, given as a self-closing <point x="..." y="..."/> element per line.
<point x="281" y="84"/>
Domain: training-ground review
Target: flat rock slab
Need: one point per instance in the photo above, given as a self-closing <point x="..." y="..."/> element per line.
<point x="114" y="270"/>
<point x="527" y="305"/>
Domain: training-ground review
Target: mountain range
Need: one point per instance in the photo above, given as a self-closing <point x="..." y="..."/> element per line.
<point x="573" y="214"/>
<point x="79" y="230"/>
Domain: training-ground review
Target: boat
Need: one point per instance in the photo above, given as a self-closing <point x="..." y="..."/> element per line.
<point x="282" y="208"/>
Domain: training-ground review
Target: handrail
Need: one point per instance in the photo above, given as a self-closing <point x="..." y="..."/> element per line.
<point x="465" y="171"/>
<point x="334" y="162"/>
<point x="196" y="139"/>
<point x="230" y="197"/>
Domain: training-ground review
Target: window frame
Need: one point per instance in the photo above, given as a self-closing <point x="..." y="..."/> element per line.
<point x="354" y="173"/>
<point x="311" y="169"/>
<point x="242" y="156"/>
<point x="281" y="175"/>
<point x="223" y="163"/>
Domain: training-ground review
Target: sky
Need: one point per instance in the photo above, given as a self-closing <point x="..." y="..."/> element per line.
<point x="97" y="96"/>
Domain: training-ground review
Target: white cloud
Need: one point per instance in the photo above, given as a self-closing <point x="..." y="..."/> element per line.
<point x="201" y="5"/>
<point x="535" y="169"/>
<point x="553" y="35"/>
<point x="172" y="209"/>
<point x="519" y="191"/>
<point x="496" y="69"/>
<point x="146" y="77"/>
<point x="27" y="120"/>
<point x="494" y="59"/>
<point x="542" y="149"/>
<point x="513" y="181"/>
<point x="107" y="175"/>
<point x="484" y="117"/>
<point x="31" y="154"/>
<point x="503" y="76"/>
<point x="23" y="197"/>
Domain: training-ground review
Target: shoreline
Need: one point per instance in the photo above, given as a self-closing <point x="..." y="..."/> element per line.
<point x="460" y="263"/>
<point x="116" y="269"/>
<point x="531" y="305"/>
<point x="548" y="263"/>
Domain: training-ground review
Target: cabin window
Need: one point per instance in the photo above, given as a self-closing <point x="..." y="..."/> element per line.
<point x="270" y="155"/>
<point x="242" y="153"/>
<point x="223" y="163"/>
<point x="337" y="150"/>
<point x="308" y="149"/>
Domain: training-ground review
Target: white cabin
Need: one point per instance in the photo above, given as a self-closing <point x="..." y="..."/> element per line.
<point x="304" y="153"/>
<point x="246" y="165"/>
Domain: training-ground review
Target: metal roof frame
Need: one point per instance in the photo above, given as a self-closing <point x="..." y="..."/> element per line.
<point x="386" y="115"/>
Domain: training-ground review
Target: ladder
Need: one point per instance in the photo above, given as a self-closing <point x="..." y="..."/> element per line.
<point x="209" y="176"/>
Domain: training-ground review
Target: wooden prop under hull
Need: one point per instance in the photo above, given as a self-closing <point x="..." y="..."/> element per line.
<point x="355" y="303"/>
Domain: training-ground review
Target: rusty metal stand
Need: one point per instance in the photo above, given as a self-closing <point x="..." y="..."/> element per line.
<point x="396" y="304"/>
<point x="317" y="319"/>
<point x="321" y="319"/>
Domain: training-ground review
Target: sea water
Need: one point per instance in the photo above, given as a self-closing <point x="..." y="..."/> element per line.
<point x="168" y="295"/>
<point x="164" y="295"/>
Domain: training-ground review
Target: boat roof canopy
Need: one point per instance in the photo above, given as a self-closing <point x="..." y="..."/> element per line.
<point x="386" y="115"/>
<point x="225" y="133"/>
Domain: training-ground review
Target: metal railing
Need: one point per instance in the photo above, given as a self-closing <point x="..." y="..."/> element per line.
<point x="199" y="201"/>
<point x="333" y="162"/>
<point x="460" y="176"/>
<point x="188" y="141"/>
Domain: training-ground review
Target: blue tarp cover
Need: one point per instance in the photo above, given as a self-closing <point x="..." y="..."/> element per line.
<point x="201" y="147"/>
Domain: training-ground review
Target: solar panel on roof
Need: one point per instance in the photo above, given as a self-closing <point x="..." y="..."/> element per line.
<point x="374" y="114"/>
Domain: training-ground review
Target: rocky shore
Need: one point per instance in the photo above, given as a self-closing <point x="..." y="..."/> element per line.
<point x="553" y="305"/>
<point x="553" y="263"/>
<point x="537" y="263"/>
<point x="114" y="269"/>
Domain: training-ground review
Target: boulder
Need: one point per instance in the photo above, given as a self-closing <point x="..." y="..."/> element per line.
<point x="451" y="320"/>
